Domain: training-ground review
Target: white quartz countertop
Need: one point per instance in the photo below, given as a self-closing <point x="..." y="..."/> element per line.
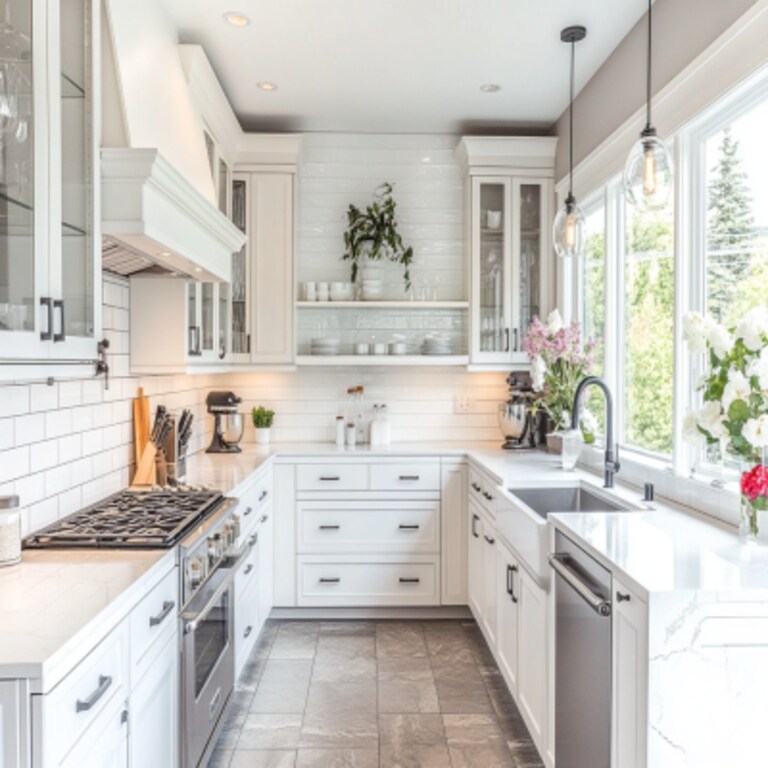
<point x="56" y="604"/>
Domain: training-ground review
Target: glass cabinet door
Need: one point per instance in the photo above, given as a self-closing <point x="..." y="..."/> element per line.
<point x="222" y="321"/>
<point x="194" y="342"/>
<point x="207" y="309"/>
<point x="239" y="288"/>
<point x="78" y="292"/>
<point x="20" y="270"/>
<point x="491" y="284"/>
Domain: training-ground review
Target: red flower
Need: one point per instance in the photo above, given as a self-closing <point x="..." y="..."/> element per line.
<point x="755" y="482"/>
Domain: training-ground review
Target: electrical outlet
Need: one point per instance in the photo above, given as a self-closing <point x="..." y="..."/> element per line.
<point x="461" y="403"/>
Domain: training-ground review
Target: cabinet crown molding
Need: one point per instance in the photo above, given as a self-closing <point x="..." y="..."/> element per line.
<point x="505" y="151"/>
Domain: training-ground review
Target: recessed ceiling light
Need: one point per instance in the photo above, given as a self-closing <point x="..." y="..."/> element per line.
<point x="198" y="269"/>
<point x="165" y="254"/>
<point x="236" y="19"/>
<point x="267" y="86"/>
<point x="490" y="88"/>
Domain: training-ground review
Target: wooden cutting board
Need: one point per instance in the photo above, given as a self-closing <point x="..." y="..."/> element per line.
<point x="141" y="425"/>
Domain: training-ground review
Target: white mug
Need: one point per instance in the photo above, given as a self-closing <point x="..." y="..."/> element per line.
<point x="323" y="292"/>
<point x="310" y="291"/>
<point x="493" y="219"/>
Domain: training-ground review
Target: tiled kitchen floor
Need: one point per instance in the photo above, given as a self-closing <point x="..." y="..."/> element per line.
<point x="373" y="694"/>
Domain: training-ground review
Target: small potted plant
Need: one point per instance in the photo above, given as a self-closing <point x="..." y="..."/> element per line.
<point x="262" y="421"/>
<point x="372" y="234"/>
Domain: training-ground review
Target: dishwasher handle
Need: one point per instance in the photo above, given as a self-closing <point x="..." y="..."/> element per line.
<point x="598" y="604"/>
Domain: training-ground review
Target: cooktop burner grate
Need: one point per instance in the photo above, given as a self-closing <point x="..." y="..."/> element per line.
<point x="140" y="519"/>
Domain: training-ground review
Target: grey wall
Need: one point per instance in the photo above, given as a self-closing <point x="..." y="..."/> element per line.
<point x="682" y="29"/>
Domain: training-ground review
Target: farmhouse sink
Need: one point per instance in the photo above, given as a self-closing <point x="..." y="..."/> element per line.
<point x="522" y="517"/>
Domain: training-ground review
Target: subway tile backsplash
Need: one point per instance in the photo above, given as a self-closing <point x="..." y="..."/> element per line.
<point x="65" y="446"/>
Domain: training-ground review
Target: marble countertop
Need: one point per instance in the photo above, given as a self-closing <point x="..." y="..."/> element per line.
<point x="57" y="604"/>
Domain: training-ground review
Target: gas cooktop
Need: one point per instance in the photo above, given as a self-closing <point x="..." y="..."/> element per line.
<point x="154" y="519"/>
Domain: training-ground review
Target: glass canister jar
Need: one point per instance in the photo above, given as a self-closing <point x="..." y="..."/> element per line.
<point x="10" y="531"/>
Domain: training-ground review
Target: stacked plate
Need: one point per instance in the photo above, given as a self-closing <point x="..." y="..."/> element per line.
<point x="437" y="345"/>
<point x="324" y="346"/>
<point x="373" y="289"/>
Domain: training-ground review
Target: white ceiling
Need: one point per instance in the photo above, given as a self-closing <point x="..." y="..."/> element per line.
<point x="406" y="66"/>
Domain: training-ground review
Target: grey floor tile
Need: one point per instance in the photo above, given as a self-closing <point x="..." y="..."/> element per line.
<point x="415" y="756"/>
<point x="488" y="756"/>
<point x="234" y="718"/>
<point x="284" y="687"/>
<point x="263" y="758"/>
<point x="352" y="729"/>
<point x="470" y="730"/>
<point x="348" y="628"/>
<point x="338" y="758"/>
<point x="461" y="690"/>
<point x="294" y="645"/>
<point x="449" y="649"/>
<point x="401" y="730"/>
<point x="343" y="697"/>
<point x="400" y="639"/>
<point x="407" y="685"/>
<point x="251" y="674"/>
<point x="345" y="658"/>
<point x="220" y="758"/>
<point x="262" y="731"/>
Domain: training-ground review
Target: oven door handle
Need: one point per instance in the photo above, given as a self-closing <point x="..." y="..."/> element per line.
<point x="193" y="621"/>
<point x="597" y="603"/>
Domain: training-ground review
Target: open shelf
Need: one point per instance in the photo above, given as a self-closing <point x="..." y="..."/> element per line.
<point x="416" y="305"/>
<point x="382" y="360"/>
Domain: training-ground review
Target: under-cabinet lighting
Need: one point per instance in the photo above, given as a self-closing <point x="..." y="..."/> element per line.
<point x="236" y="19"/>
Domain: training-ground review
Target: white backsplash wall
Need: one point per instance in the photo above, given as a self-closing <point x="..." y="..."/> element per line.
<point x="68" y="445"/>
<point x="420" y="402"/>
<point x="339" y="169"/>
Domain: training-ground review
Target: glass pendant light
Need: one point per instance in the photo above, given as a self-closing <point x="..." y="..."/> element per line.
<point x="568" y="229"/>
<point x="648" y="172"/>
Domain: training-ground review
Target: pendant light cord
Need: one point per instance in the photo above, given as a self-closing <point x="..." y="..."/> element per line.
<point x="648" y="70"/>
<point x="570" y="158"/>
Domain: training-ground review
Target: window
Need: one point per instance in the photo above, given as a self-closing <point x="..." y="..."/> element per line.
<point x="649" y="343"/>
<point x="593" y="282"/>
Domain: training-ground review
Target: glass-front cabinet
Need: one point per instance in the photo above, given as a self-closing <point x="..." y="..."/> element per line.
<point x="50" y="292"/>
<point x="510" y="253"/>
<point x="207" y="321"/>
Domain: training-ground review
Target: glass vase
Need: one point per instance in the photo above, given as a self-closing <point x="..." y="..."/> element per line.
<point x="753" y="487"/>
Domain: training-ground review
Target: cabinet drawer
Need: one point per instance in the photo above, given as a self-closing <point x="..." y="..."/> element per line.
<point x="246" y="623"/>
<point x="415" y="475"/>
<point x="483" y="491"/>
<point x="262" y="490"/>
<point x="153" y="619"/>
<point x="78" y="700"/>
<point x="379" y="581"/>
<point x="332" y="477"/>
<point x="357" y="527"/>
<point x="247" y="571"/>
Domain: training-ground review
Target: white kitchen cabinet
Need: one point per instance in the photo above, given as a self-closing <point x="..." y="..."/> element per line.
<point x="630" y="678"/>
<point x="105" y="745"/>
<point x="50" y="258"/>
<point x="454" y="543"/>
<point x="508" y="643"/>
<point x="262" y="317"/>
<point x="475" y="562"/>
<point x="154" y="712"/>
<point x="14" y="735"/>
<point x="266" y="558"/>
<point x="246" y="622"/>
<point x="284" y="571"/>
<point x="510" y="200"/>
<point x="482" y="572"/>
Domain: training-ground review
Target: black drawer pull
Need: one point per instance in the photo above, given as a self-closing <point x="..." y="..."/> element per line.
<point x="409" y="581"/>
<point x="248" y="631"/>
<point x="475" y="518"/>
<point x="330" y="527"/>
<point x="330" y="478"/>
<point x="409" y="477"/>
<point x="487" y="495"/>
<point x="160" y="618"/>
<point x="83" y="706"/>
<point x="409" y="527"/>
<point x="263" y="495"/>
<point x="622" y="598"/>
<point x="247" y="511"/>
<point x="248" y="569"/>
<point x="489" y="540"/>
<point x="264" y="518"/>
<point x="330" y="581"/>
<point x="476" y="487"/>
<point x="511" y="570"/>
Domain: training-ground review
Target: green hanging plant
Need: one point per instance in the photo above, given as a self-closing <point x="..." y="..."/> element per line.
<point x="373" y="234"/>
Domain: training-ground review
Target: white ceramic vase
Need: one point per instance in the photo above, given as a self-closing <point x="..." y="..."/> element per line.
<point x="262" y="435"/>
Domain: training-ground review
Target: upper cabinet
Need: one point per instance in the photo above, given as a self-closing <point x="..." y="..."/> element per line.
<point x="510" y="198"/>
<point x="50" y="271"/>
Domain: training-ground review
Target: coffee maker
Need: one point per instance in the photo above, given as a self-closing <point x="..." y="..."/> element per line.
<point x="516" y="418"/>
<point x="228" y="424"/>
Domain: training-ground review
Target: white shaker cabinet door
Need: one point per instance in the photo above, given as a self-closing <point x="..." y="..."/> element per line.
<point x="507" y="643"/>
<point x="453" y="532"/>
<point x="490" y="594"/>
<point x="13" y="741"/>
<point x="630" y="678"/>
<point x="104" y="744"/>
<point x="475" y="562"/>
<point x="154" y="712"/>
<point x="266" y="562"/>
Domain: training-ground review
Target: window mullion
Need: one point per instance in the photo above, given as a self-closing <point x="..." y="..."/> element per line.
<point x="614" y="299"/>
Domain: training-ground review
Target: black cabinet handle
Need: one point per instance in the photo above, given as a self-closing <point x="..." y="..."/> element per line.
<point x="330" y="478"/>
<point x="475" y="518"/>
<point x="516" y="340"/>
<point x="409" y="581"/>
<point x="622" y="598"/>
<point x="330" y="581"/>
<point x="511" y="571"/>
<point x="476" y="487"/>
<point x="506" y="339"/>
<point x="160" y="618"/>
<point x="409" y="527"/>
<point x="47" y="335"/>
<point x="409" y="477"/>
<point x="83" y="706"/>
<point x="330" y="527"/>
<point x="263" y="495"/>
<point x="59" y="304"/>
<point x="248" y="569"/>
<point x="264" y="518"/>
<point x="489" y="540"/>
<point x="487" y="495"/>
<point x="247" y="511"/>
<point x="248" y="631"/>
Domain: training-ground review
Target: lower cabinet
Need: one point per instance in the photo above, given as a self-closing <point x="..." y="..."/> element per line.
<point x="483" y="599"/>
<point x="453" y="547"/>
<point x="13" y="728"/>
<point x="246" y="623"/>
<point x="105" y="745"/>
<point x="154" y="712"/>
<point x="266" y="562"/>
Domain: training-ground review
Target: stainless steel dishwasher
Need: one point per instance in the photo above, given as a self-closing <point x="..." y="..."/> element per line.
<point x="582" y="658"/>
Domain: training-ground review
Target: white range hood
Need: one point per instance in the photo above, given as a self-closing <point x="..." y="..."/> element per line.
<point x="159" y="210"/>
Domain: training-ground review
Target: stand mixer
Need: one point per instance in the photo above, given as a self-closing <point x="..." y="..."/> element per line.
<point x="228" y="424"/>
<point x="516" y="419"/>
